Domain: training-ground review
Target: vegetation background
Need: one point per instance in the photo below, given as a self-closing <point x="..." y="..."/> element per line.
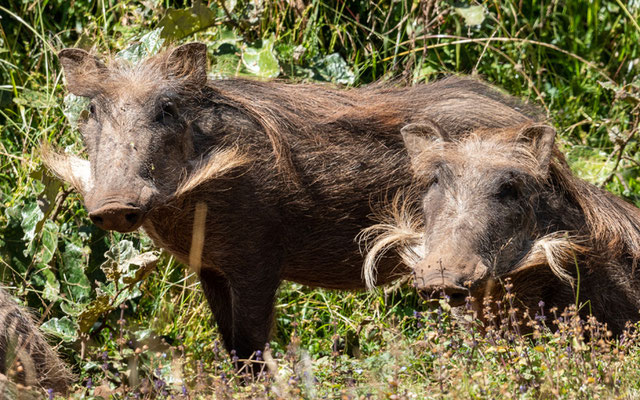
<point x="132" y="323"/>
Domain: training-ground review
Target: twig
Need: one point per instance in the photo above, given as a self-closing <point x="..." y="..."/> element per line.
<point x="229" y="16"/>
<point x="619" y="151"/>
<point x="60" y="198"/>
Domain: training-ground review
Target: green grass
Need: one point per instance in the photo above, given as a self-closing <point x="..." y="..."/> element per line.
<point x="579" y="60"/>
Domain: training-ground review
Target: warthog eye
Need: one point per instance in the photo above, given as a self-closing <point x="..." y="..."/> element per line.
<point x="508" y="191"/>
<point x="168" y="109"/>
<point x="92" y="109"/>
<point x="433" y="182"/>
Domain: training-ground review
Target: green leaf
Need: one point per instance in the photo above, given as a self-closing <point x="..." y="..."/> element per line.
<point x="117" y="256"/>
<point x="148" y="45"/>
<point x="50" y="188"/>
<point x="225" y="65"/>
<point x="74" y="281"/>
<point x="472" y="15"/>
<point x="178" y="24"/>
<point x="32" y="99"/>
<point x="63" y="328"/>
<point x="51" y="289"/>
<point x="31" y="215"/>
<point x="260" y="59"/>
<point x="333" y="68"/>
<point x="226" y="59"/>
<point x="49" y="241"/>
<point x="99" y="306"/>
<point x="73" y="108"/>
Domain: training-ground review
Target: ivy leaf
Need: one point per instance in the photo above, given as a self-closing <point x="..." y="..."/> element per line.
<point x="260" y="59"/>
<point x="115" y="265"/>
<point x="51" y="289"/>
<point x="49" y="241"/>
<point x="178" y="24"/>
<point x="73" y="106"/>
<point x="63" y="328"/>
<point x="74" y="281"/>
<point x="148" y="45"/>
<point x="333" y="68"/>
<point x="31" y="215"/>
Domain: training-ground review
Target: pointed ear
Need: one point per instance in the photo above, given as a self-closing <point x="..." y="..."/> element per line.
<point x="189" y="62"/>
<point x="541" y="139"/>
<point x="420" y="136"/>
<point x="83" y="72"/>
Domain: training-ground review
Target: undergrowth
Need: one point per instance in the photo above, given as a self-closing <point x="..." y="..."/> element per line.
<point x="132" y="322"/>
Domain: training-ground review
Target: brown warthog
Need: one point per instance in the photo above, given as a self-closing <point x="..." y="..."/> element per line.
<point x="252" y="182"/>
<point x="504" y="204"/>
<point x="25" y="356"/>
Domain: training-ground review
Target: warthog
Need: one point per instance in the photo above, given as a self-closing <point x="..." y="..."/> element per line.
<point x="504" y="203"/>
<point x="252" y="182"/>
<point x="25" y="356"/>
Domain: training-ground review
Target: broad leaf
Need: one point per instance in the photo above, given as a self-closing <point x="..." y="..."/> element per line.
<point x="333" y="68"/>
<point x="63" y="328"/>
<point x="75" y="283"/>
<point x="260" y="59"/>
<point x="473" y="15"/>
<point x="49" y="241"/>
<point x="148" y="45"/>
<point x="31" y="215"/>
<point x="178" y="24"/>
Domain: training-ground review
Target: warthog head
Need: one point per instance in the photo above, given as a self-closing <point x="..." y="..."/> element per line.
<point x="479" y="206"/>
<point x="137" y="131"/>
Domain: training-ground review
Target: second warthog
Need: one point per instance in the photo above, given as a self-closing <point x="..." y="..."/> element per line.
<point x="28" y="364"/>
<point x="504" y="204"/>
<point x="252" y="182"/>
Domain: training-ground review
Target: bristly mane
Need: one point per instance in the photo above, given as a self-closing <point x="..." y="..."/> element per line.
<point x="612" y="223"/>
<point x="284" y="111"/>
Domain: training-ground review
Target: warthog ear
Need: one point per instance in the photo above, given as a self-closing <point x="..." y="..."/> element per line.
<point x="541" y="139"/>
<point x="82" y="71"/>
<point x="420" y="136"/>
<point x="189" y="62"/>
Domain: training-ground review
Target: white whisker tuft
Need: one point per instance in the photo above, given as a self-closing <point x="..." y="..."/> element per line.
<point x="558" y="250"/>
<point x="400" y="229"/>
<point x="216" y="165"/>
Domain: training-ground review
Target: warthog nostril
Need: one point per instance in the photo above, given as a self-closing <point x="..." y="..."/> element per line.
<point x="132" y="218"/>
<point x="457" y="298"/>
<point x="96" y="219"/>
<point x="456" y="295"/>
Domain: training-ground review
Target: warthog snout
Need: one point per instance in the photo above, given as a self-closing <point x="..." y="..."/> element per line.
<point x="118" y="217"/>
<point x="435" y="279"/>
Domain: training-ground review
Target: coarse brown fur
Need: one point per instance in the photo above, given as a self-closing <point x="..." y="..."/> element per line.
<point x="26" y="358"/>
<point x="521" y="213"/>
<point x="286" y="175"/>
